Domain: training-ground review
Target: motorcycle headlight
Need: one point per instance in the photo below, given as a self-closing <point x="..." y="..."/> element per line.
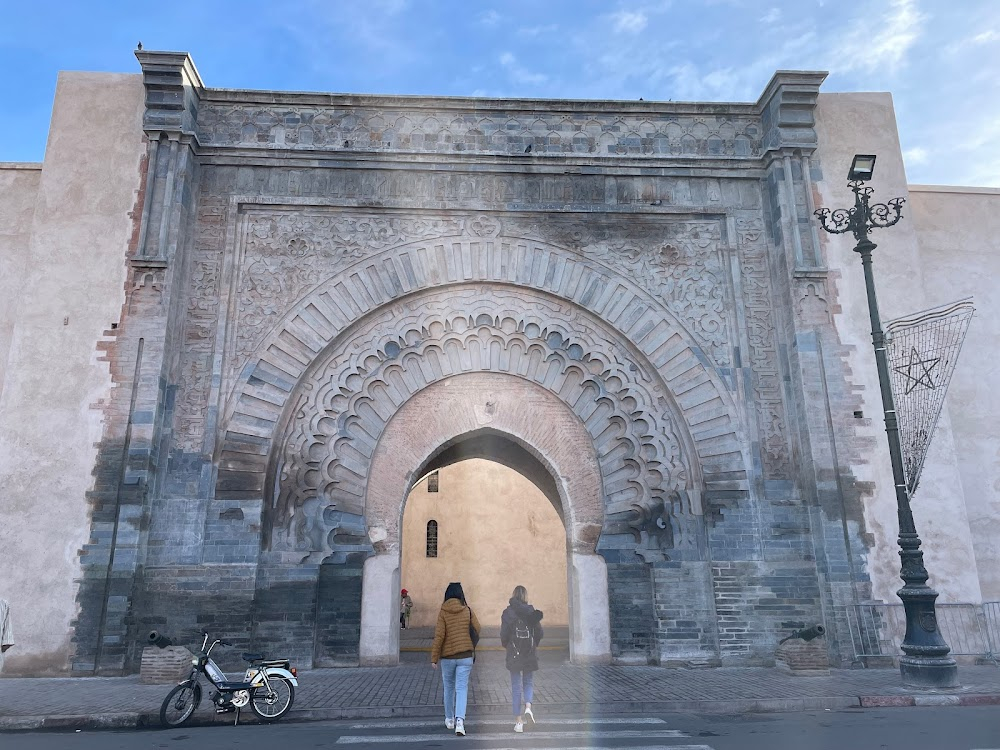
<point x="195" y="661"/>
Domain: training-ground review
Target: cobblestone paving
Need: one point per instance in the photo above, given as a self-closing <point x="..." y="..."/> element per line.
<point x="557" y="684"/>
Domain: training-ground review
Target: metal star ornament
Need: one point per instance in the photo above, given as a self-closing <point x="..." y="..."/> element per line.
<point x="923" y="367"/>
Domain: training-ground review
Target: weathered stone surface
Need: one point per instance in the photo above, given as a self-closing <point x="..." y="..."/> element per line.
<point x="311" y="301"/>
<point x="642" y="291"/>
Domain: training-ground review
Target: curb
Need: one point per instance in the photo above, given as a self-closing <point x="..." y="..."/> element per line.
<point x="892" y="701"/>
<point x="151" y="719"/>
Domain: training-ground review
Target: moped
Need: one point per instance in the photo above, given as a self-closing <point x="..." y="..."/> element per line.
<point x="268" y="687"/>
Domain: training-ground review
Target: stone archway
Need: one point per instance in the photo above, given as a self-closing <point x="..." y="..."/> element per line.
<point x="533" y="418"/>
<point x="343" y="405"/>
<point x="314" y="398"/>
<point x="649" y="302"/>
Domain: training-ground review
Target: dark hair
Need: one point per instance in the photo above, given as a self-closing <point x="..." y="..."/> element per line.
<point x="454" y="591"/>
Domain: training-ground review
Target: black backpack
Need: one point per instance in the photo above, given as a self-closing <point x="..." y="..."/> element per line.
<point x="522" y="640"/>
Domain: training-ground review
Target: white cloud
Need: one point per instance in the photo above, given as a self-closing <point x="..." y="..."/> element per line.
<point x="772" y="16"/>
<point x="986" y="37"/>
<point x="871" y="44"/>
<point x="373" y="30"/>
<point x="629" y="22"/>
<point x="915" y="156"/>
<point x="518" y="73"/>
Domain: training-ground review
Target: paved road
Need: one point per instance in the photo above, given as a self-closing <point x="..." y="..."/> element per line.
<point x="926" y="728"/>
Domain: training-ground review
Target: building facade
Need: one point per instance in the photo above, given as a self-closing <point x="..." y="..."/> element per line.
<point x="238" y="327"/>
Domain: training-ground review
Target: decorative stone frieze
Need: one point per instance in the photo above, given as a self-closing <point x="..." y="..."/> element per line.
<point x="395" y="124"/>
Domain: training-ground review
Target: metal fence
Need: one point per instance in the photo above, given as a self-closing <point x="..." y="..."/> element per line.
<point x="877" y="629"/>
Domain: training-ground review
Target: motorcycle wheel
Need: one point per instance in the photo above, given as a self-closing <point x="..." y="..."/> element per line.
<point x="272" y="705"/>
<point x="180" y="704"/>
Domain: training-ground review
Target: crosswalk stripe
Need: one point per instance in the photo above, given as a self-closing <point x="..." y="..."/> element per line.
<point x="610" y="747"/>
<point x="620" y="734"/>
<point x="583" y="721"/>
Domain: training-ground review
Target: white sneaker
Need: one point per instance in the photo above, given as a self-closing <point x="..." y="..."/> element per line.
<point x="449" y="723"/>
<point x="459" y="727"/>
<point x="527" y="712"/>
<point x="519" y="727"/>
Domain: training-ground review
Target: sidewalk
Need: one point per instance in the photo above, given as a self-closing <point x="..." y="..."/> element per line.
<point x="414" y="690"/>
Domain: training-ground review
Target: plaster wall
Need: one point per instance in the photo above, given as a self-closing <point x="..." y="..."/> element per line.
<point x="496" y="530"/>
<point x="72" y="290"/>
<point x="957" y="234"/>
<point x="18" y="188"/>
<point x="848" y="124"/>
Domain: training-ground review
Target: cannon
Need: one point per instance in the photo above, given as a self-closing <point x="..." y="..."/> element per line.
<point x="806" y="634"/>
<point x="158" y="639"/>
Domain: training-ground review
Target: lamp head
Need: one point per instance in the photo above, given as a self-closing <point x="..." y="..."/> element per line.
<point x="862" y="168"/>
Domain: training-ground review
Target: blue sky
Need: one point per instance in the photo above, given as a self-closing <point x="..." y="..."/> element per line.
<point x="939" y="58"/>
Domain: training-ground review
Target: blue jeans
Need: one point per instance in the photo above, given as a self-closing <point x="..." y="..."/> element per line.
<point x="522" y="685"/>
<point x="455" y="676"/>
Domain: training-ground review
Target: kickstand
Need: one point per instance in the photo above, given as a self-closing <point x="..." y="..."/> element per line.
<point x="237" y="717"/>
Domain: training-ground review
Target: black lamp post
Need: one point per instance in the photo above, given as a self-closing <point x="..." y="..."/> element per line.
<point x="926" y="661"/>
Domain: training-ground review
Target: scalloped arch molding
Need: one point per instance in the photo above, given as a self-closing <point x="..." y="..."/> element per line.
<point x="621" y="318"/>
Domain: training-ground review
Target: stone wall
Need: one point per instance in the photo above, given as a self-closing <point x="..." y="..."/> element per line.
<point x="956" y="231"/>
<point x="58" y="386"/>
<point x="865" y="123"/>
<point x="18" y="194"/>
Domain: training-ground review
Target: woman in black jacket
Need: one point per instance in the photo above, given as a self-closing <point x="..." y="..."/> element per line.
<point x="520" y="632"/>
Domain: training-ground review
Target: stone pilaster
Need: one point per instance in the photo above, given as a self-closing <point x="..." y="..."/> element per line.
<point x="816" y="393"/>
<point x="128" y="468"/>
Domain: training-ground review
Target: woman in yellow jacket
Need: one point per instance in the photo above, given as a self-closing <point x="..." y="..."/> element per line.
<point x="454" y="650"/>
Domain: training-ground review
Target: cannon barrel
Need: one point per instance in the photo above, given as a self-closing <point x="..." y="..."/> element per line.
<point x="806" y="634"/>
<point x="158" y="639"/>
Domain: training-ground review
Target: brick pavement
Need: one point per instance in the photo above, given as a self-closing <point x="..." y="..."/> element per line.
<point x="414" y="689"/>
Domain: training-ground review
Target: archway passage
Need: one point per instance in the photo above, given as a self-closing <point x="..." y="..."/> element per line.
<point x="478" y="521"/>
<point x="427" y="431"/>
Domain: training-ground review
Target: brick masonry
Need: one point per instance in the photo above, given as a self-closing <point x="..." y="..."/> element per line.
<point x="304" y="267"/>
<point x="164" y="665"/>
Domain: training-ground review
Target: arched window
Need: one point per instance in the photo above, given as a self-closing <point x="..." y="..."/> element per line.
<point x="432" y="538"/>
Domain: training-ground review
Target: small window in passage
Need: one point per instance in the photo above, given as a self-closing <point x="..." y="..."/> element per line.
<point x="432" y="539"/>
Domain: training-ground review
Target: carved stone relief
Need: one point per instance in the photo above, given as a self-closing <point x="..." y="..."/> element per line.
<point x="686" y="272"/>
<point x="613" y="273"/>
<point x="812" y="306"/>
<point x="355" y="127"/>
<point x="340" y="409"/>
<point x="287" y="253"/>
<point x="763" y="355"/>
<point x="146" y="296"/>
<point x="200" y="327"/>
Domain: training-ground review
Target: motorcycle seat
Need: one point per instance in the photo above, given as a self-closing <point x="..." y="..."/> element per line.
<point x="227" y="686"/>
<point x="274" y="663"/>
<point x="261" y="660"/>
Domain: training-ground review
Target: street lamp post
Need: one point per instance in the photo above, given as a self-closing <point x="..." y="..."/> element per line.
<point x="926" y="661"/>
